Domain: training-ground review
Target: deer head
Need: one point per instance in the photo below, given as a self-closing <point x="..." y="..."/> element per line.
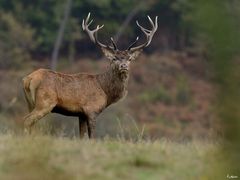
<point x="120" y="60"/>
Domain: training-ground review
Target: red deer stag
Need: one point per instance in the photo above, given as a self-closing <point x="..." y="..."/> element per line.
<point x="82" y="95"/>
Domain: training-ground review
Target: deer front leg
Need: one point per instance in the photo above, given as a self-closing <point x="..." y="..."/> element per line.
<point x="92" y="111"/>
<point x="82" y="127"/>
<point x="91" y="125"/>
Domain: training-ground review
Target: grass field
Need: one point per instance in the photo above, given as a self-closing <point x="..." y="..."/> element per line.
<point x="46" y="157"/>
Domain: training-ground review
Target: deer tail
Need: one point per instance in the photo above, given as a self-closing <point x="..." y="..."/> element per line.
<point x="30" y="86"/>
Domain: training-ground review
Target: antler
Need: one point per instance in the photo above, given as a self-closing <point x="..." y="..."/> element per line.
<point x="93" y="33"/>
<point x="113" y="43"/>
<point x="148" y="33"/>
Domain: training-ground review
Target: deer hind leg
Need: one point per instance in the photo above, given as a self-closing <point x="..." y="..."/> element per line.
<point x="82" y="127"/>
<point x="44" y="105"/>
<point x="33" y="117"/>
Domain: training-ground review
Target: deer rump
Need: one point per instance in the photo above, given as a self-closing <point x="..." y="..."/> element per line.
<point x="70" y="94"/>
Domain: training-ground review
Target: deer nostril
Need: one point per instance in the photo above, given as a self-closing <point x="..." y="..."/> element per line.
<point x="123" y="66"/>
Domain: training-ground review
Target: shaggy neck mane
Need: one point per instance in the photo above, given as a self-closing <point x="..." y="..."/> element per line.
<point x="114" y="84"/>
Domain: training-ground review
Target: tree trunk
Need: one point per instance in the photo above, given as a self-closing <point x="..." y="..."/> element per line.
<point x="60" y="35"/>
<point x="127" y="21"/>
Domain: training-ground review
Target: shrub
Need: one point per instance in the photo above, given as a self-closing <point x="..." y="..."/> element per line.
<point x="159" y="94"/>
<point x="16" y="41"/>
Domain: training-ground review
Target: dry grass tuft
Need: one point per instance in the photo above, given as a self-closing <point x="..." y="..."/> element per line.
<point x="45" y="157"/>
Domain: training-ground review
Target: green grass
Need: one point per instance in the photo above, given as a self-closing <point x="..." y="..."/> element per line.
<point x="45" y="157"/>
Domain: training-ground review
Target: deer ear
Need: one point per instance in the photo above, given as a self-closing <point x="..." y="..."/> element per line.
<point x="135" y="54"/>
<point x="109" y="53"/>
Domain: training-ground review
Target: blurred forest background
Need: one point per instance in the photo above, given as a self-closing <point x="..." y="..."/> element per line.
<point x="172" y="88"/>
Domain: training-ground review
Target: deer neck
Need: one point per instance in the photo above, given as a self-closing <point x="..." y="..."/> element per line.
<point x="113" y="84"/>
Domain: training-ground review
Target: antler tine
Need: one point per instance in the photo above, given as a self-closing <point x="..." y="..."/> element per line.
<point x="85" y="23"/>
<point x="149" y="34"/>
<point x="150" y="21"/>
<point x="142" y="28"/>
<point x="131" y="45"/>
<point x="92" y="33"/>
<point x="88" y="17"/>
<point x="113" y="43"/>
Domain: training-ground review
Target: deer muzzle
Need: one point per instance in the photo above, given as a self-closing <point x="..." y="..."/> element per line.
<point x="123" y="67"/>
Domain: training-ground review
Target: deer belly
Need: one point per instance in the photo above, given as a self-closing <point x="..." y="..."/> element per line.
<point x="66" y="112"/>
<point x="71" y="107"/>
<point x="76" y="103"/>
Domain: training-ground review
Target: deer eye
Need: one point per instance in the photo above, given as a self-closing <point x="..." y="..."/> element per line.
<point x="116" y="59"/>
